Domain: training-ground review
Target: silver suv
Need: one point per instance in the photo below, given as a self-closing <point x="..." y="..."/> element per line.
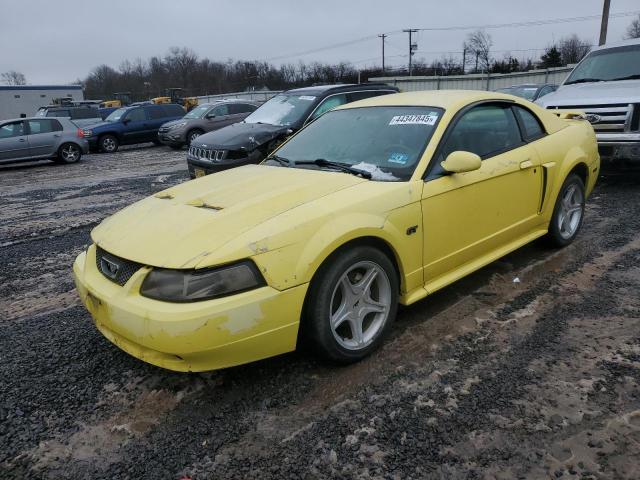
<point x="606" y="86"/>
<point x="36" y="138"/>
<point x="204" y="118"/>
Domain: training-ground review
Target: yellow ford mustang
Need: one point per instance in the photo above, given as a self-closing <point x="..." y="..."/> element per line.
<point x="379" y="202"/>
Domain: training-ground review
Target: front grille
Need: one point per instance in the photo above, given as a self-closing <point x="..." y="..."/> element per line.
<point x="163" y="129"/>
<point x="116" y="269"/>
<point x="207" y="154"/>
<point x="613" y="118"/>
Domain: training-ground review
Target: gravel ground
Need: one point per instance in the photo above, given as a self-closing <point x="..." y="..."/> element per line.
<point x="489" y="378"/>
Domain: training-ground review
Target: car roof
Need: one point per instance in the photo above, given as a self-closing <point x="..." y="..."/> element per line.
<point x="528" y="85"/>
<point x="7" y="120"/>
<point x="623" y="43"/>
<point x="228" y="100"/>
<point x="325" y="89"/>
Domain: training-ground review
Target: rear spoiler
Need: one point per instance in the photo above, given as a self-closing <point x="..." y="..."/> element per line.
<point x="569" y="114"/>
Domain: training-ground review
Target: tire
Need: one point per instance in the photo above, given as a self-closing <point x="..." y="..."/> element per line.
<point x="568" y="213"/>
<point x="193" y="134"/>
<point x="69" y="153"/>
<point x="108" y="144"/>
<point x="337" y="294"/>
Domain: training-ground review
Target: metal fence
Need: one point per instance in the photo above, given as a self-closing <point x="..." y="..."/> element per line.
<point x="258" y="95"/>
<point x="479" y="81"/>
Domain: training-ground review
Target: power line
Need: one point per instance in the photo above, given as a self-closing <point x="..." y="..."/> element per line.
<point x="465" y="27"/>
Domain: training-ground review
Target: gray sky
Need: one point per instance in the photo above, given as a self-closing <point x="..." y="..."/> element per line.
<point x="57" y="41"/>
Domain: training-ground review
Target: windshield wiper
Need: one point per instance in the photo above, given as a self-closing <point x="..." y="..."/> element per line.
<point x="635" y="76"/>
<point x="584" y="80"/>
<point x="281" y="160"/>
<point x="345" y="167"/>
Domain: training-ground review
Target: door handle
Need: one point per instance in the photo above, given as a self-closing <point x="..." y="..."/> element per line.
<point x="526" y="164"/>
<point x="22" y="140"/>
<point x="56" y="134"/>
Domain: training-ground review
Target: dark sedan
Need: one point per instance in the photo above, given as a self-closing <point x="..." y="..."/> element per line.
<point x="529" y="91"/>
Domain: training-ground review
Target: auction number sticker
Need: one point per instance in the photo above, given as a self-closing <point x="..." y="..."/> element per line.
<point x="309" y="98"/>
<point x="414" y="119"/>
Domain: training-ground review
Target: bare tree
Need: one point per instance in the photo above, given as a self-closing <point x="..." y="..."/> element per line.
<point x="479" y="43"/>
<point x="633" y="30"/>
<point x="573" y="49"/>
<point x="13" y="78"/>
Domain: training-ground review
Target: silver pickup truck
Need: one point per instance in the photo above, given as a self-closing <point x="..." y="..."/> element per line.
<point x="606" y="86"/>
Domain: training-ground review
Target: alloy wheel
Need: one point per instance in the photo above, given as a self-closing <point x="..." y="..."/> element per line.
<point x="571" y="209"/>
<point x="360" y="305"/>
<point x="70" y="153"/>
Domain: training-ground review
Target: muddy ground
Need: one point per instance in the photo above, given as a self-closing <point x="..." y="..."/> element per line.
<point x="489" y="378"/>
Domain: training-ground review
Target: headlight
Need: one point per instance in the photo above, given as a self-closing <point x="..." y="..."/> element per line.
<point x="177" y="125"/>
<point x="87" y="132"/>
<point x="194" y="285"/>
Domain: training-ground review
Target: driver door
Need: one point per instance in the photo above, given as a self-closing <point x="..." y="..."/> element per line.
<point x="468" y="216"/>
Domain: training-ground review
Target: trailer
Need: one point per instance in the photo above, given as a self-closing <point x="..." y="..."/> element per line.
<point x="24" y="100"/>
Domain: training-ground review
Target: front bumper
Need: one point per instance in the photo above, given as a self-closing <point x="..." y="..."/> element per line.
<point x="198" y="167"/>
<point x="173" y="139"/>
<point x="619" y="148"/>
<point x="192" y="337"/>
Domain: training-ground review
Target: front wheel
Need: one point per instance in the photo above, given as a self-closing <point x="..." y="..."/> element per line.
<point x="69" y="153"/>
<point x="352" y="304"/>
<point x="567" y="213"/>
<point x="108" y="144"/>
<point x="192" y="135"/>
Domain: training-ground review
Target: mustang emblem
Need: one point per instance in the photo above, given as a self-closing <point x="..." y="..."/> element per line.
<point x="109" y="268"/>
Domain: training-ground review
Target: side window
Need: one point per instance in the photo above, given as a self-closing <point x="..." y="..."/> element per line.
<point x="531" y="126"/>
<point x="136" y="115"/>
<point x="58" y="113"/>
<point x="240" y="108"/>
<point x="485" y="130"/>
<point x="220" y="110"/>
<point x="14" y="129"/>
<point x="44" y="126"/>
<point x="329" y="103"/>
<point x="156" y="112"/>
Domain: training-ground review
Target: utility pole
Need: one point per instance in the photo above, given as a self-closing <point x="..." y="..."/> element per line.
<point x="382" y="36"/>
<point x="412" y="46"/>
<point x="464" y="57"/>
<point x="605" y="22"/>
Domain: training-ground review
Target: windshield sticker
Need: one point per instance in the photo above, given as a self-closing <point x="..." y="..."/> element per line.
<point x="400" y="158"/>
<point x="307" y="97"/>
<point x="414" y="119"/>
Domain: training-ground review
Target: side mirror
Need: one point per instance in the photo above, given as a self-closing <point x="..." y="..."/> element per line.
<point x="125" y="121"/>
<point x="461" y="161"/>
<point x="210" y="116"/>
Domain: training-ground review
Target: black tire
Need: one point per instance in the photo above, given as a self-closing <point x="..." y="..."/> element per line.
<point x="316" y="329"/>
<point x="193" y="134"/>
<point x="108" y="143"/>
<point x="558" y="235"/>
<point x="69" y="153"/>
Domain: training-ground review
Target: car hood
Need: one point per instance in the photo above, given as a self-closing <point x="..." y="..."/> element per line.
<point x="102" y="124"/>
<point x="182" y="226"/>
<point x="621" y="91"/>
<point x="241" y="135"/>
<point x="173" y="122"/>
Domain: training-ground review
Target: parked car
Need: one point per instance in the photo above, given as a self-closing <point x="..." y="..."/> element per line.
<point x="606" y="86"/>
<point x="80" y="115"/>
<point x="261" y="132"/>
<point x="128" y="125"/>
<point x="379" y="202"/>
<point x="529" y="91"/>
<point x="36" y="138"/>
<point x="204" y="118"/>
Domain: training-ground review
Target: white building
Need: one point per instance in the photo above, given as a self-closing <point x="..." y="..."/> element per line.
<point x="24" y="100"/>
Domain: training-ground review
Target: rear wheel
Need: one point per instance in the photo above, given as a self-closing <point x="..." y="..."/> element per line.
<point x="352" y="304"/>
<point x="69" y="153"/>
<point x="193" y="134"/>
<point x="567" y="213"/>
<point x="108" y="144"/>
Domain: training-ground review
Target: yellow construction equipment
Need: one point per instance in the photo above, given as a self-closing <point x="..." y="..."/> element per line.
<point x="174" y="95"/>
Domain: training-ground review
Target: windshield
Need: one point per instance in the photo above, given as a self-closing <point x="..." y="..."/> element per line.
<point x="198" y="112"/>
<point x="384" y="141"/>
<point x="116" y="115"/>
<point x="282" y="110"/>
<point x="528" y="93"/>
<point x="606" y="65"/>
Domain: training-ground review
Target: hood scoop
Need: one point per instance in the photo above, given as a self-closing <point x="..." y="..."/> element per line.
<point x="164" y="196"/>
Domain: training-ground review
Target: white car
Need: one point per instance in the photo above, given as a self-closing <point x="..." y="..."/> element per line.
<point x="606" y="86"/>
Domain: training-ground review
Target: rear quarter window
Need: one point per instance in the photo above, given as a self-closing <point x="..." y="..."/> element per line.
<point x="172" y="110"/>
<point x="531" y="126"/>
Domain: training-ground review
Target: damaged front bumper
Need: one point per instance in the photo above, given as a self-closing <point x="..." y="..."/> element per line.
<point x="197" y="336"/>
<point x="619" y="147"/>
